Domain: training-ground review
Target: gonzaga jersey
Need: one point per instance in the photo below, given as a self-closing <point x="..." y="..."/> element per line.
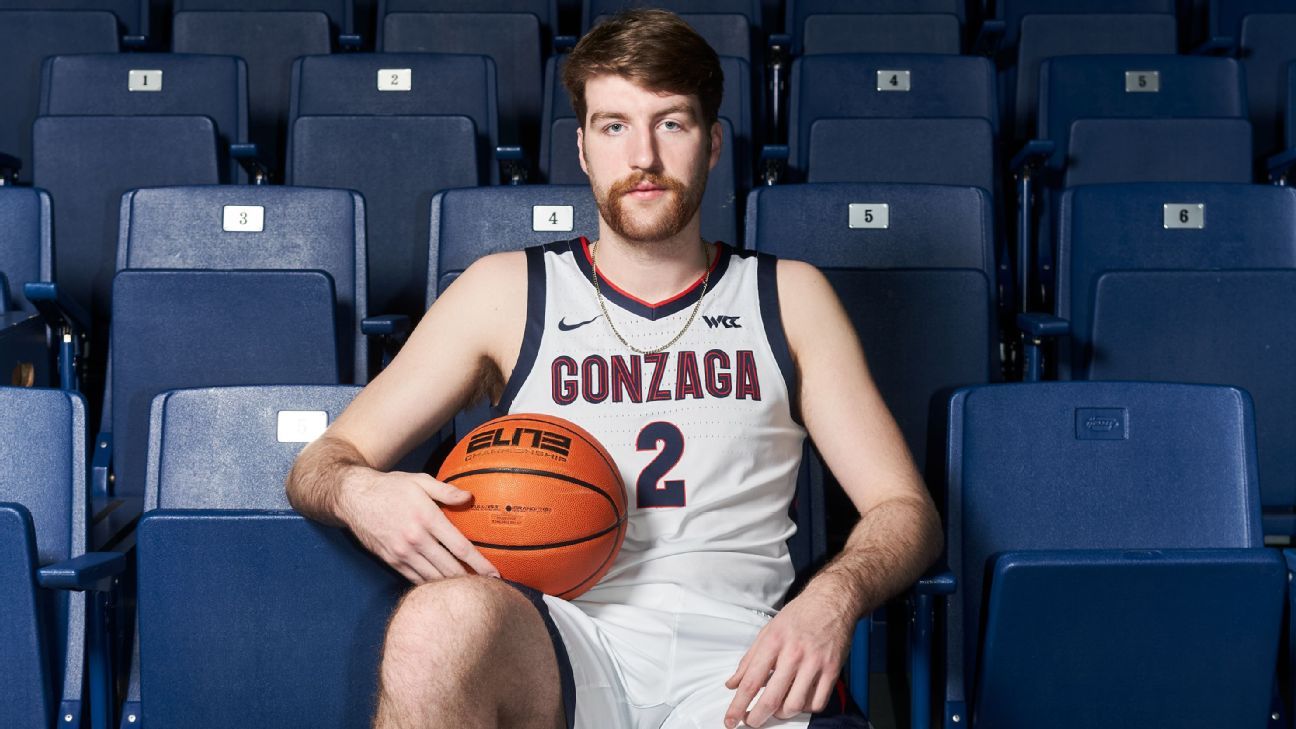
<point x="703" y="433"/>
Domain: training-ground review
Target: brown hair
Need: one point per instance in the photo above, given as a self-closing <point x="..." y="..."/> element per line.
<point x="653" y="48"/>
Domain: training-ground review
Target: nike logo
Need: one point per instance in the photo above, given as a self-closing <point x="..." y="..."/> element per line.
<point x="563" y="326"/>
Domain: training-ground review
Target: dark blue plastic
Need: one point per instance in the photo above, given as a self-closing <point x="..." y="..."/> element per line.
<point x="132" y="15"/>
<point x="750" y="9"/>
<point x="1266" y="51"/>
<point x="340" y="12"/>
<point x="545" y="10"/>
<point x="958" y="152"/>
<point x="30" y="36"/>
<point x="25" y="243"/>
<point x="882" y="33"/>
<point x="1013" y="12"/>
<point x="303" y="228"/>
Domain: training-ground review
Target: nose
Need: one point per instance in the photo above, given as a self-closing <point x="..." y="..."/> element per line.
<point x="643" y="150"/>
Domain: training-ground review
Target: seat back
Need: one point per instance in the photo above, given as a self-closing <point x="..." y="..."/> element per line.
<point x="132" y="15"/>
<point x="257" y="227"/>
<point x="544" y="10"/>
<point x="153" y="84"/>
<point x="31" y="36"/>
<point x="1266" y="50"/>
<point x="174" y="329"/>
<point x="933" y="151"/>
<point x="591" y="10"/>
<point x="898" y="33"/>
<point x="1225" y="17"/>
<point x="232" y="447"/>
<point x="1158" y="150"/>
<point x="340" y="13"/>
<point x="25" y="246"/>
<point x="1089" y="465"/>
<point x="43" y="506"/>
<point x="1014" y="12"/>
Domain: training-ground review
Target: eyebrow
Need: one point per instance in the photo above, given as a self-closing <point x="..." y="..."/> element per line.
<point x="683" y="109"/>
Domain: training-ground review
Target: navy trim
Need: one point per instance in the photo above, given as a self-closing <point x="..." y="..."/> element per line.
<point x="534" y="327"/>
<point x="767" y="286"/>
<point x="639" y="308"/>
<point x="565" y="677"/>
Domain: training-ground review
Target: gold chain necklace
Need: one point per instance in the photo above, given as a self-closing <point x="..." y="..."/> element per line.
<point x="598" y="292"/>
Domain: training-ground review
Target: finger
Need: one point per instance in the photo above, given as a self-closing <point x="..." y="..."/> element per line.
<point x="732" y="683"/>
<point x="443" y="561"/>
<point x="753" y="678"/>
<point x="824" y="691"/>
<point x="444" y="492"/>
<point x="798" y="696"/>
<point x="458" y="545"/>
<point x="422" y="568"/>
<point x="772" y="697"/>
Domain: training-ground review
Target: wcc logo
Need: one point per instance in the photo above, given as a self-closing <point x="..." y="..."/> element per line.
<point x="727" y="322"/>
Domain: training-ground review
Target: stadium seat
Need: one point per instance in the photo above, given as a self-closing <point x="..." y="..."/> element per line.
<point x="1225" y="18"/>
<point x="153" y="84"/>
<point x="511" y="40"/>
<point x="728" y="32"/>
<point x="25" y="256"/>
<point x="132" y="15"/>
<point x="31" y="36"/>
<point x="546" y="11"/>
<point x="1105" y="561"/>
<point x="398" y="148"/>
<point x="236" y="588"/>
<point x="591" y="10"/>
<point x="1266" y="51"/>
<point x="340" y="13"/>
<point x="875" y="26"/>
<point x="268" y="41"/>
<point x="937" y="116"/>
<point x="174" y="328"/>
<point x="258" y="227"/>
<point x="1187" y="283"/>
<point x="560" y="161"/>
<point x="54" y="670"/>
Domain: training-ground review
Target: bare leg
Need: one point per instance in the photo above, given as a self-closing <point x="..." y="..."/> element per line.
<point x="468" y="653"/>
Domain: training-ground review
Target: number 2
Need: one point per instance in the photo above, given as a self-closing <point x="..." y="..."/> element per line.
<point x="653" y="491"/>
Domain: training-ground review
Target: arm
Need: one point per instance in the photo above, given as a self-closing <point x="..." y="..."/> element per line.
<point x="897" y="537"/>
<point x="466" y="340"/>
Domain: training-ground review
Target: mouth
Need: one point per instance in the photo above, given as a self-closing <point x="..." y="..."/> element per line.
<point x="646" y="192"/>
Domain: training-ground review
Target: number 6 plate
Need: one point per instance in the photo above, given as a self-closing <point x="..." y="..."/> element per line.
<point x="1184" y="215"/>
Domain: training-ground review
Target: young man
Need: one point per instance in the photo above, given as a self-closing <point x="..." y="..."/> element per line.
<point x="706" y="425"/>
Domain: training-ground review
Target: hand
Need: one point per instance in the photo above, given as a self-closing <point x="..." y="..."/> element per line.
<point x="395" y="516"/>
<point x="797" y="658"/>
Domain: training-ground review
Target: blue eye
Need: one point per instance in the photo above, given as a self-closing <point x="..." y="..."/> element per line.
<point x="672" y="125"/>
<point x="614" y="128"/>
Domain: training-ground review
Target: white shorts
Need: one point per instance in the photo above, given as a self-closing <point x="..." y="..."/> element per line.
<point x="661" y="664"/>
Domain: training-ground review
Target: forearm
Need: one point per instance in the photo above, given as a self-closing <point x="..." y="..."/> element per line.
<point x="319" y="477"/>
<point x="889" y="548"/>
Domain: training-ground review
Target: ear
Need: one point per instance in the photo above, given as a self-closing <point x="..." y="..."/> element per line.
<point x="580" y="149"/>
<point x="717" y="139"/>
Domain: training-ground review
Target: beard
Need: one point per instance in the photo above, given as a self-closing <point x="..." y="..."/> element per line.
<point x="683" y="201"/>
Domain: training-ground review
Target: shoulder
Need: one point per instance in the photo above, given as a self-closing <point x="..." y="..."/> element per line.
<point x="809" y="307"/>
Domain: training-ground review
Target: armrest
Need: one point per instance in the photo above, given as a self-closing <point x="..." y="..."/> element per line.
<point x="58" y="309"/>
<point x="989" y="38"/>
<point x="1280" y="166"/>
<point x="9" y="167"/>
<point x="921" y="636"/>
<point x="773" y="163"/>
<point x="1035" y="154"/>
<point x="135" y="42"/>
<point x="1039" y="326"/>
<point x="385" y="326"/>
<point x="4" y="294"/>
<point x="350" y="42"/>
<point x="86" y="572"/>
<point x="936" y="583"/>
<point x="1220" y="45"/>
<point x="513" y="166"/>
<point x="564" y="43"/>
<point x="101" y="464"/>
<point x="249" y="158"/>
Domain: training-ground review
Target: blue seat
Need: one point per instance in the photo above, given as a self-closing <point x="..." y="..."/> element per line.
<point x="875" y="26"/>
<point x="268" y="41"/>
<point x="30" y="36"/>
<point x="397" y="148"/>
<point x="727" y="31"/>
<point x="546" y="11"/>
<point x="153" y="84"/>
<point x="1187" y="283"/>
<point x="132" y="15"/>
<point x="1106" y="560"/>
<point x="511" y="40"/>
<point x="174" y="328"/>
<point x="591" y="10"/>
<point x="287" y="228"/>
<point x="53" y="669"/>
<point x="340" y="13"/>
<point x="1225" y="17"/>
<point x="26" y="253"/>
<point x="237" y="588"/>
<point x="932" y="151"/>
<point x="1266" y="50"/>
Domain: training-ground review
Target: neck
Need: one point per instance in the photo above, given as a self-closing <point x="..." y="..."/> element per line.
<point x="653" y="271"/>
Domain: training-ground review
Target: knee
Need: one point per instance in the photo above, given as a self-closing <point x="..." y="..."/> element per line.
<point x="453" y="619"/>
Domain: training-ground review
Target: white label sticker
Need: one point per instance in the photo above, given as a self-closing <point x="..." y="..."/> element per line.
<point x="1143" y="82"/>
<point x="301" y="426"/>
<point x="556" y="218"/>
<point x="893" y="80"/>
<point x="140" y="80"/>
<point x="395" y="79"/>
<point x="244" y="218"/>
<point x="1184" y="215"/>
<point x="870" y="215"/>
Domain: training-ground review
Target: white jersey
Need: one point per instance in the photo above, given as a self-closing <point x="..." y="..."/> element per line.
<point x="703" y="433"/>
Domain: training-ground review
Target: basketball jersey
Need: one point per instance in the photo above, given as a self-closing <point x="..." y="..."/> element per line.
<point x="703" y="433"/>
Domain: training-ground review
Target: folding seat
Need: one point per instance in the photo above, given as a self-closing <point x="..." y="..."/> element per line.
<point x="1279" y="166"/>
<point x="875" y="26"/>
<point x="87" y="163"/>
<point x="154" y="84"/>
<point x="591" y="10"/>
<point x="237" y="588"/>
<point x="1185" y="283"/>
<point x="176" y="328"/>
<point x="892" y="118"/>
<point x="53" y="672"/>
<point x="132" y="15"/>
<point x="546" y="11"/>
<point x="1225" y="17"/>
<point x="269" y="35"/>
<point x="730" y="27"/>
<point x="25" y="257"/>
<point x="560" y="161"/>
<point x="1106" y="564"/>
<point x="1266" y="49"/>
<point x="30" y="36"/>
<point x="259" y="227"/>
<point x="398" y="144"/>
<point x="511" y="40"/>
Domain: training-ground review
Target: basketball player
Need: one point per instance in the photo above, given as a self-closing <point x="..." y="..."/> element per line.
<point x="700" y="368"/>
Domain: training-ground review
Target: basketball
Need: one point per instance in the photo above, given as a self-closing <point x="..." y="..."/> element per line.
<point x="548" y="508"/>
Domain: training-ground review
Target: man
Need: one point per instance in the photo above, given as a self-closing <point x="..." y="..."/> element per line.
<point x="706" y="425"/>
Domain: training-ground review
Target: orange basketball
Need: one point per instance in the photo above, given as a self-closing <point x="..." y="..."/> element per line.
<point x="548" y="508"/>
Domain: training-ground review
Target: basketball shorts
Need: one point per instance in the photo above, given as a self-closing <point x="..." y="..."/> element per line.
<point x="657" y="658"/>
